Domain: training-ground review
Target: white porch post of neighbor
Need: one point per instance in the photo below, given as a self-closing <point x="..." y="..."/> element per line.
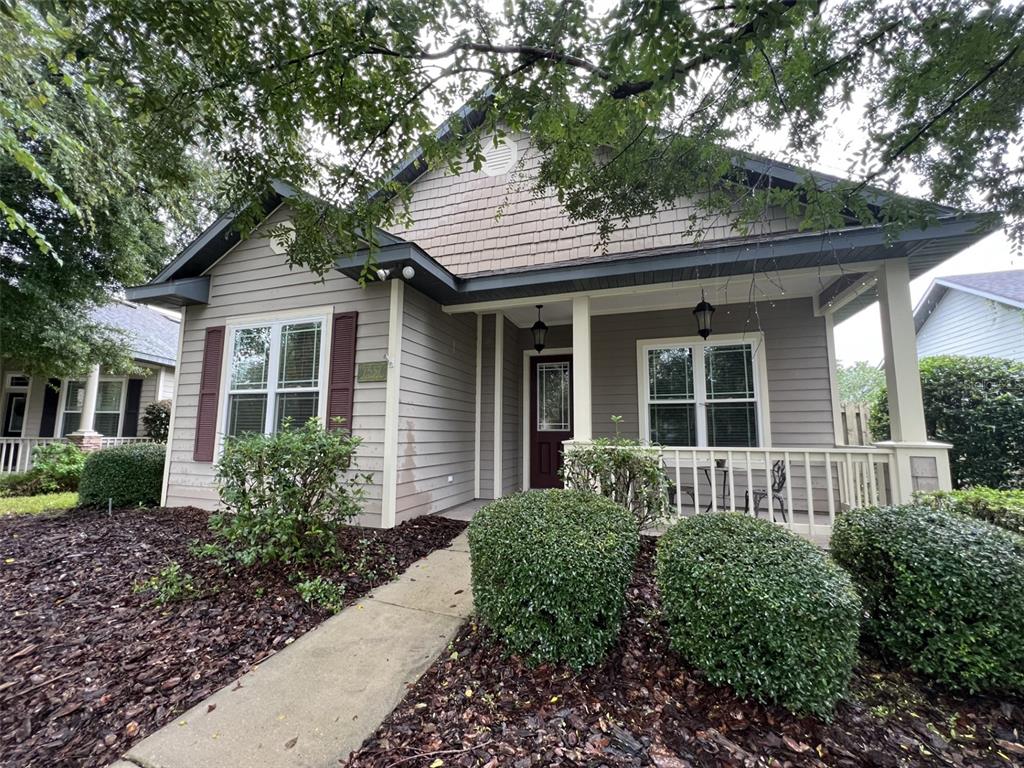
<point x="920" y="465"/>
<point x="85" y="437"/>
<point x="582" y="412"/>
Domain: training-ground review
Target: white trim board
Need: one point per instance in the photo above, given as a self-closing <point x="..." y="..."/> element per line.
<point x="389" y="479"/>
<point x="168" y="456"/>
<point x="524" y="405"/>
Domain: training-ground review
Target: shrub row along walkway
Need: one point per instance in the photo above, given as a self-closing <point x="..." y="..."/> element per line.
<point x="316" y="701"/>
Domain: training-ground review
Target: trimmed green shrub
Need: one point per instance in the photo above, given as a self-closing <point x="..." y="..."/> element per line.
<point x="550" y="571"/>
<point x="977" y="405"/>
<point x="17" y="484"/>
<point x="286" y="495"/>
<point x="943" y="594"/>
<point x="1002" y="508"/>
<point x="130" y="475"/>
<point x="624" y="471"/>
<point x="156" y="420"/>
<point x="56" y="467"/>
<point x="758" y="608"/>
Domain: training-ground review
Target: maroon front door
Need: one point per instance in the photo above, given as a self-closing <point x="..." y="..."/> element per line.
<point x="550" y="417"/>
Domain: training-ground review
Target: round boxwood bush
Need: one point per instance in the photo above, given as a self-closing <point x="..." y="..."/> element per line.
<point x="131" y="475"/>
<point x="550" y="571"/>
<point x="758" y="608"/>
<point x="944" y="594"/>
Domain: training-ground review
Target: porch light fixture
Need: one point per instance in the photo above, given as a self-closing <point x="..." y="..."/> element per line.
<point x="703" y="313"/>
<point x="539" y="331"/>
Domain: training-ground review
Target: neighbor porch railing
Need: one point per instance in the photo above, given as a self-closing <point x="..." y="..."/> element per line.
<point x="802" y="489"/>
<point x="16" y="452"/>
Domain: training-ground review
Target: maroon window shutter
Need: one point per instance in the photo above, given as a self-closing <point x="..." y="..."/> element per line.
<point x="209" y="395"/>
<point x="341" y="385"/>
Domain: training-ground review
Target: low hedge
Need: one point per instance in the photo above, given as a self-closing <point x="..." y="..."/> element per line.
<point x="944" y="594"/>
<point x="550" y="571"/>
<point x="758" y="608"/>
<point x="130" y="475"/>
<point x="1002" y="508"/>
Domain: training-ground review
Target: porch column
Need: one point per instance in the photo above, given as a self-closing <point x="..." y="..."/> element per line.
<point x="582" y="410"/>
<point x="85" y="437"/>
<point x="920" y="465"/>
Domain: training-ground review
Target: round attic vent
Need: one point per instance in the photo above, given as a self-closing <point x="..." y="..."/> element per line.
<point x="498" y="160"/>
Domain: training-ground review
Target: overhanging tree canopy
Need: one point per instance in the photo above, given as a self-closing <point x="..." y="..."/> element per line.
<point x="629" y="109"/>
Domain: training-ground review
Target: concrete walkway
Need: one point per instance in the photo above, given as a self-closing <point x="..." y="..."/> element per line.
<point x="320" y="698"/>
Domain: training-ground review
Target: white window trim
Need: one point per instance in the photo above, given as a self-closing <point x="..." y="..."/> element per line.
<point x="61" y="409"/>
<point x="322" y="316"/>
<point x="7" y="389"/>
<point x="759" y="362"/>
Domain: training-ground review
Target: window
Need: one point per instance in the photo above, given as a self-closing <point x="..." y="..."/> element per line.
<point x="697" y="393"/>
<point x="275" y="375"/>
<point x="109" y="407"/>
<point x="74" y="399"/>
<point x="553" y="397"/>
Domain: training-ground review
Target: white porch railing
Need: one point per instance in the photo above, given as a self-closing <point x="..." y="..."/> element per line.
<point x="802" y="489"/>
<point x="16" y="452"/>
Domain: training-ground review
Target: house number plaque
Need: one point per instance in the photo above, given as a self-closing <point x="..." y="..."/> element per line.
<point x="375" y="371"/>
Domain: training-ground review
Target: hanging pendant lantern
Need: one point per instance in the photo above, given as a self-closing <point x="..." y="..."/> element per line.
<point x="539" y="331"/>
<point x="703" y="313"/>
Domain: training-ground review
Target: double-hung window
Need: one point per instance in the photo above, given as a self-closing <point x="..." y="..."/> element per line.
<point x="275" y="375"/>
<point x="701" y="393"/>
<point x="110" y="394"/>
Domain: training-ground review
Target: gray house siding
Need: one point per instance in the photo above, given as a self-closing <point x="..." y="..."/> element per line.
<point x="799" y="391"/>
<point x="966" y="324"/>
<point x="253" y="280"/>
<point x="512" y="421"/>
<point x="487" y="408"/>
<point x="437" y="409"/>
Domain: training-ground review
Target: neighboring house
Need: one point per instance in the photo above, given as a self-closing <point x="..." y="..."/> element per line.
<point x="973" y="315"/>
<point x="34" y="407"/>
<point x="436" y="370"/>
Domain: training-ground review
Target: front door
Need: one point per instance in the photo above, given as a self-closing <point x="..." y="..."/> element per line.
<point x="550" y="417"/>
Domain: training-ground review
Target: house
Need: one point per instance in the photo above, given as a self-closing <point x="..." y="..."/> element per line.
<point x="434" y="365"/>
<point x="34" y="410"/>
<point x="973" y="315"/>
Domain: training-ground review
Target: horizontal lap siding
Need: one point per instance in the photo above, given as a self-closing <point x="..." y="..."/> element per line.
<point x="271" y="287"/>
<point x="799" y="391"/>
<point x="512" y="423"/>
<point x="437" y="408"/>
<point x="965" y="324"/>
<point x="487" y="408"/>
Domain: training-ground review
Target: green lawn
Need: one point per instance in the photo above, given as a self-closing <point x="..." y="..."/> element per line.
<point x="31" y="505"/>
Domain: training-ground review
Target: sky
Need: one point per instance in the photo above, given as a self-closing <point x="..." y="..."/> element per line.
<point x="860" y="337"/>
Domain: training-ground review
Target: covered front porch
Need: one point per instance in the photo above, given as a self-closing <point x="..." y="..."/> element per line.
<point x="746" y="419"/>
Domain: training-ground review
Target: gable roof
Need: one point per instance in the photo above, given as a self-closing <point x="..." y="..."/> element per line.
<point x="153" y="335"/>
<point x="1005" y="287"/>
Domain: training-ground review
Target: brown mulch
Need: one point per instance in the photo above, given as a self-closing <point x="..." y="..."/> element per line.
<point x="89" y="666"/>
<point x="644" y="707"/>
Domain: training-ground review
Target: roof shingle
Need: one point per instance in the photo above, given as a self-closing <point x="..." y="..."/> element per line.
<point x="153" y="335"/>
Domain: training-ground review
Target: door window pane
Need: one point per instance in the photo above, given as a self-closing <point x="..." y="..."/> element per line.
<point x="670" y="373"/>
<point x="729" y="372"/>
<point x="300" y="356"/>
<point x="71" y="422"/>
<point x="732" y="424"/>
<point x="296" y="407"/>
<point x="553" y="397"/>
<point x="246" y="413"/>
<point x="250" y="358"/>
<point x="673" y="424"/>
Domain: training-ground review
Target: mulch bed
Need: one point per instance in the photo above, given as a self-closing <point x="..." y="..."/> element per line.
<point x="88" y="666"/>
<point x="475" y="707"/>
